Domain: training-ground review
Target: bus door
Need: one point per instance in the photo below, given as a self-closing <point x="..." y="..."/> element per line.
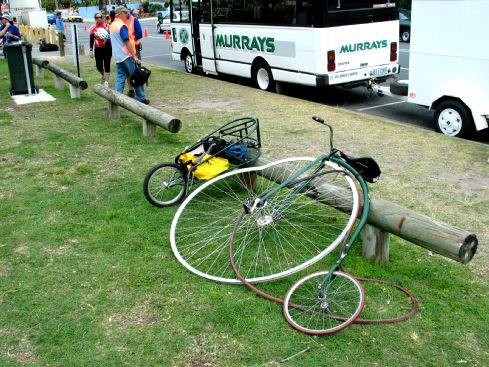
<point x="206" y="31"/>
<point x="195" y="20"/>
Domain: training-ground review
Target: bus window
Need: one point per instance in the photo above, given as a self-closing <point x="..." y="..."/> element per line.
<point x="264" y="12"/>
<point x="350" y="12"/>
<point x="180" y="11"/>
<point x="359" y="4"/>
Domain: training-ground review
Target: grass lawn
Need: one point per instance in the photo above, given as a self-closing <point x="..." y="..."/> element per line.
<point x="87" y="276"/>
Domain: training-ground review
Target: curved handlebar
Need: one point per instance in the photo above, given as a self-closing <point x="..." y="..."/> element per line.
<point x="318" y="119"/>
<point x="321" y="121"/>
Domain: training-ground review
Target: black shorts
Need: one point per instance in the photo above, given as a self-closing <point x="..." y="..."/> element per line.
<point x="102" y="58"/>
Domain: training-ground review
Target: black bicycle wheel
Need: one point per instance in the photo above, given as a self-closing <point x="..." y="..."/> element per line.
<point x="165" y="185"/>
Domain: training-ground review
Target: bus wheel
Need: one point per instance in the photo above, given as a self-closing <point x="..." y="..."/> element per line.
<point x="189" y="63"/>
<point x="406" y="35"/>
<point x="262" y="75"/>
<point x="453" y="118"/>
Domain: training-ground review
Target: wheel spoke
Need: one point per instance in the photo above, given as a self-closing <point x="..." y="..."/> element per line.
<point x="265" y="247"/>
<point x="307" y="310"/>
<point x="165" y="185"/>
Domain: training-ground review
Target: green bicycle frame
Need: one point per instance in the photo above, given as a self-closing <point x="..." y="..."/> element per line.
<point x="332" y="156"/>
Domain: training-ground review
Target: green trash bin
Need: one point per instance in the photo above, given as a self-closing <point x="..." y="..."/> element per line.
<point x="19" y="59"/>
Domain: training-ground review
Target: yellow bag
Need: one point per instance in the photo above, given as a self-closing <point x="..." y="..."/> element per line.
<point x="209" y="167"/>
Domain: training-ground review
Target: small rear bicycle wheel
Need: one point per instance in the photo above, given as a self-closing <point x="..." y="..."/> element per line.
<point x="313" y="311"/>
<point x="286" y="235"/>
<point x="165" y="185"/>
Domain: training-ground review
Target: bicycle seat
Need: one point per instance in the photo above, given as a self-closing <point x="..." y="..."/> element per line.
<point x="366" y="166"/>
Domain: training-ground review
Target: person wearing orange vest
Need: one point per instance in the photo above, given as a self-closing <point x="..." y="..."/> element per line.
<point x="135" y="34"/>
<point x="124" y="53"/>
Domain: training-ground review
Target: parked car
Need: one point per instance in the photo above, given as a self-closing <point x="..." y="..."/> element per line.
<point x="163" y="23"/>
<point x="405" y="25"/>
<point x="74" y="18"/>
<point x="51" y="18"/>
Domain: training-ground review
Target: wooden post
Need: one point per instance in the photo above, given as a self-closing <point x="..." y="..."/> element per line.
<point x="148" y="113"/>
<point x="74" y="91"/>
<point x="52" y="36"/>
<point x="375" y="244"/>
<point x="114" y="111"/>
<point x="149" y="129"/>
<point x="35" y="38"/>
<point x="58" y="82"/>
<point x="22" y="30"/>
<point x="39" y="71"/>
<point x="30" y="32"/>
<point x="61" y="44"/>
<point x="68" y="76"/>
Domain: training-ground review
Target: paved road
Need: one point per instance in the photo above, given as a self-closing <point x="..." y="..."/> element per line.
<point x="157" y="51"/>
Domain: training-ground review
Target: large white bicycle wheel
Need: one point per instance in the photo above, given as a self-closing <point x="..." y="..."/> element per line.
<point x="289" y="233"/>
<point x="325" y="310"/>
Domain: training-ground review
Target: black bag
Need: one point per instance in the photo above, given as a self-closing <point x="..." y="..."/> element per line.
<point x="46" y="47"/>
<point x="140" y="76"/>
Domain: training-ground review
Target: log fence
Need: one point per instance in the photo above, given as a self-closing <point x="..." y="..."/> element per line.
<point x="384" y="218"/>
<point x="387" y="218"/>
<point x="152" y="117"/>
<point x="75" y="83"/>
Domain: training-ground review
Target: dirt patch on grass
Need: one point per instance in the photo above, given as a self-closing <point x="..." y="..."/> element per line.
<point x="23" y="351"/>
<point x="10" y="159"/>
<point x="140" y="314"/>
<point x="22" y="250"/>
<point x="5" y="269"/>
<point x="202" y="105"/>
<point x="207" y="350"/>
<point x="468" y="182"/>
<point x="57" y="251"/>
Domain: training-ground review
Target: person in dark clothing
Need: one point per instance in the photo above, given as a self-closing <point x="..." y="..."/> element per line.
<point x="112" y="14"/>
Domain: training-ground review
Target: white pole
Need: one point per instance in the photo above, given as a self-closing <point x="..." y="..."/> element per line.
<point x="26" y="68"/>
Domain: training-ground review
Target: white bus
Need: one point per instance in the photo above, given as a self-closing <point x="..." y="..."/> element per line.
<point x="309" y="42"/>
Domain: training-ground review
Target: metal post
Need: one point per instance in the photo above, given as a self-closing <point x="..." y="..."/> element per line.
<point x="77" y="56"/>
<point x="26" y="69"/>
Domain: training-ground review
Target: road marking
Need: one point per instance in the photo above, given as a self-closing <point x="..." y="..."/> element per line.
<point x="146" y="57"/>
<point x="160" y="37"/>
<point x="403" y="50"/>
<point x="382" y="105"/>
<point x="404" y="68"/>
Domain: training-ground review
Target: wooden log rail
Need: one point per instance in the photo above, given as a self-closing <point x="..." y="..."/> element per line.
<point x="386" y="217"/>
<point x="151" y="116"/>
<point x="40" y="66"/>
<point x="75" y="83"/>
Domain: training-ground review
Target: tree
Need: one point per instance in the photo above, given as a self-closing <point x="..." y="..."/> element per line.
<point x="50" y="5"/>
<point x="406" y="4"/>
